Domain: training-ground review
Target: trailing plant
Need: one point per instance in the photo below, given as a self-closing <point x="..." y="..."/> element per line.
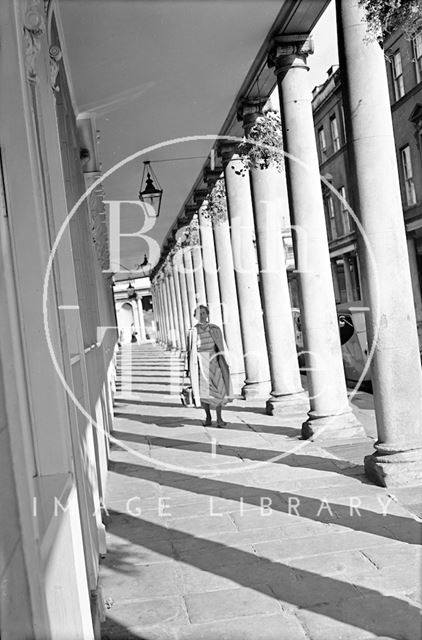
<point x="385" y="16"/>
<point x="264" y="145"/>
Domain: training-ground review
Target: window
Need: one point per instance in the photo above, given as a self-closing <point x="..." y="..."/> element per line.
<point x="322" y="143"/>
<point x="409" y="185"/>
<point x="331" y="215"/>
<point x="417" y="55"/>
<point x="343" y="122"/>
<point x="345" y="216"/>
<point x="397" y="75"/>
<point x="334" y="134"/>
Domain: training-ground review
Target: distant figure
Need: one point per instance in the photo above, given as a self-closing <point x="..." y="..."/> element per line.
<point x="134" y="334"/>
<point x="207" y="366"/>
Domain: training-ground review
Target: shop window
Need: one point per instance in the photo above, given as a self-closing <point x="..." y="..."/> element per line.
<point x="409" y="185"/>
<point x="397" y="70"/>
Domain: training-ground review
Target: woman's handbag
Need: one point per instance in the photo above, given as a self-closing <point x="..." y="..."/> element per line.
<point x="186" y="396"/>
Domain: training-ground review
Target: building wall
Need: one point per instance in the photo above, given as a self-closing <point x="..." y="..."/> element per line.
<point x="57" y="341"/>
<point x="327" y="101"/>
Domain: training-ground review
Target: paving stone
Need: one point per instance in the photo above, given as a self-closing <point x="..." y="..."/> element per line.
<point x="317" y="545"/>
<point x="395" y="555"/>
<point x="230" y="603"/>
<point x="263" y="627"/>
<point x="141" y="581"/>
<point x="232" y="539"/>
<point x="121" y="553"/>
<point x="142" y="614"/>
<point x="346" y="563"/>
<point x="306" y="590"/>
<point x="199" y="526"/>
<point x="383" y="616"/>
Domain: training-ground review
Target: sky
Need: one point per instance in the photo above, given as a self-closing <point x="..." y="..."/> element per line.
<point x="325" y="42"/>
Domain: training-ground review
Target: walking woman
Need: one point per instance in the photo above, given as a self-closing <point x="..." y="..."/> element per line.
<point x="207" y="366"/>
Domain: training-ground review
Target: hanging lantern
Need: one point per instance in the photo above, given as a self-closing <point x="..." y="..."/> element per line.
<point x="150" y="190"/>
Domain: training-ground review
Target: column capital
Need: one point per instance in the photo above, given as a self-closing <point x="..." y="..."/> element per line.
<point x="199" y="195"/>
<point x="211" y="176"/>
<point x="287" y="51"/>
<point x="248" y="110"/>
<point x="227" y="151"/>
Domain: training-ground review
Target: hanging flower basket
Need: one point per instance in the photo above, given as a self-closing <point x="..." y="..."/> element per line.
<point x="264" y="145"/>
<point x="217" y="203"/>
<point x="192" y="234"/>
<point x="385" y="16"/>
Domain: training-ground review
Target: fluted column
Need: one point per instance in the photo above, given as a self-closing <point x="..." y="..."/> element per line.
<point x="180" y="270"/>
<point x="178" y="306"/>
<point x="161" y="311"/>
<point x="387" y="289"/>
<point x="330" y="414"/>
<point x="270" y="204"/>
<point x="239" y="204"/>
<point x="228" y="294"/>
<point x="210" y="266"/>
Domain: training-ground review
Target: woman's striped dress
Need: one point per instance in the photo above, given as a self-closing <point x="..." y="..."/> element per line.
<point x="212" y="389"/>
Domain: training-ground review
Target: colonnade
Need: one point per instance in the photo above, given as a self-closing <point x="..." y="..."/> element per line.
<point x="235" y="264"/>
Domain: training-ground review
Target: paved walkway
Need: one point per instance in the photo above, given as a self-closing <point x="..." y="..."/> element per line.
<point x="248" y="532"/>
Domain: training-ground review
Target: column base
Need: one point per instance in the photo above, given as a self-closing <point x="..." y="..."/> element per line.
<point x="338" y="426"/>
<point x="276" y="405"/>
<point x="256" y="390"/>
<point x="237" y="380"/>
<point x="402" y="469"/>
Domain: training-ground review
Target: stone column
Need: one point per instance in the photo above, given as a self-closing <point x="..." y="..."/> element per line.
<point x="270" y="208"/>
<point x="348" y="278"/>
<point x="239" y="204"/>
<point x="142" y="333"/>
<point x="228" y="293"/>
<point x="330" y="415"/>
<point x="387" y="288"/>
<point x="198" y="270"/>
<point x="175" y="344"/>
<point x="210" y="266"/>
<point x="180" y="271"/>
<point x="174" y="308"/>
<point x="175" y="291"/>
<point x="170" y="343"/>
<point x="160" y="311"/>
<point x="190" y="283"/>
<point x="163" y="326"/>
